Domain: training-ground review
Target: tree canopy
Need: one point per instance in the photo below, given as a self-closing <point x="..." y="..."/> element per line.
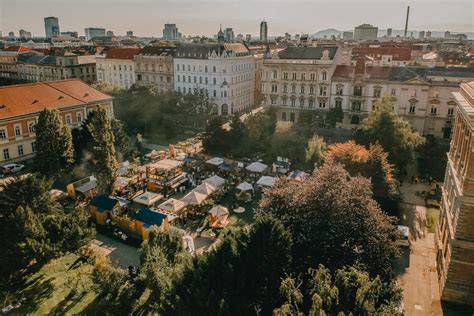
<point x="334" y="221"/>
<point x="385" y="127"/>
<point x="54" y="149"/>
<point x="315" y="150"/>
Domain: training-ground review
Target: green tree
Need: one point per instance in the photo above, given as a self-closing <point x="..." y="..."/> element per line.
<point x="260" y="128"/>
<point x="334" y="115"/>
<point x="125" y="149"/>
<point x="54" y="149"/>
<point x="433" y="159"/>
<point x="289" y="289"/>
<point x="315" y="151"/>
<point x="286" y="142"/>
<point x="215" y="138"/>
<point x="334" y="221"/>
<point x="104" y="159"/>
<point x="385" y="127"/>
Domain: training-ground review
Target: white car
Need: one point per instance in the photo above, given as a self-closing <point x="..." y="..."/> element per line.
<point x="405" y="240"/>
<point x="12" y="168"/>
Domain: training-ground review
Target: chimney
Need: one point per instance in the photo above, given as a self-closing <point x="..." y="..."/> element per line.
<point x="406" y="22"/>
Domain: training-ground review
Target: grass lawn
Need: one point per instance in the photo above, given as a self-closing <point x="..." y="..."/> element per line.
<point x="53" y="290"/>
<point x="432" y="215"/>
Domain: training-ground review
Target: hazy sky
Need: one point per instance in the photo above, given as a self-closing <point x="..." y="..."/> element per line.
<point x="202" y="17"/>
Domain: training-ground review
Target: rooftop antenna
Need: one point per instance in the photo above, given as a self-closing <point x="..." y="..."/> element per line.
<point x="406" y="22"/>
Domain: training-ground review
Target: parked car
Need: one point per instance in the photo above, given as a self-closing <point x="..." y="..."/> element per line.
<point x="11" y="168"/>
<point x="404" y="241"/>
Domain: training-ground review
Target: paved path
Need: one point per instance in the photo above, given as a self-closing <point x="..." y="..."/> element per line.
<point x="119" y="253"/>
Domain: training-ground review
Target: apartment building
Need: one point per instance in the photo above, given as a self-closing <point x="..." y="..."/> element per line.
<point x="455" y="233"/>
<point x="117" y="67"/>
<point x="154" y="67"/>
<point x="225" y="71"/>
<point x="20" y="106"/>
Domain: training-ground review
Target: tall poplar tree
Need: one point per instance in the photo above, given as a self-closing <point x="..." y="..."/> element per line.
<point x="54" y="148"/>
<point x="104" y="159"/>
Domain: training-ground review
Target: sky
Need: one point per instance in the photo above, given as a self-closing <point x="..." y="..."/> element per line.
<point x="203" y="17"/>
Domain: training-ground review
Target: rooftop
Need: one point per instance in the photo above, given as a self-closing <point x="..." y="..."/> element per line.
<point x="123" y="53"/>
<point x="306" y="52"/>
<point x="34" y="97"/>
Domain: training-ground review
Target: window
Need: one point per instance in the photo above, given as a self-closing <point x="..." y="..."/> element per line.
<point x="31" y="127"/>
<point x="285" y="76"/>
<point x="195" y="81"/>
<point x="311" y="103"/>
<point x="3" y="134"/>
<point x="312" y="77"/>
<point x="294" y="76"/>
<point x="273" y="100"/>
<point x="311" y="90"/>
<point x="79" y="117"/>
<point x="339" y="90"/>
<point x="322" y="90"/>
<point x="17" y="130"/>
<point x="358" y="91"/>
<point x="293" y="89"/>
<point x="184" y="79"/>
<point x="274" y="88"/>
<point x="33" y="147"/>
<point x="377" y="92"/>
<point x="393" y="92"/>
<point x="214" y="80"/>
<point x="213" y="68"/>
<point x="293" y="102"/>
<point x="177" y="67"/>
<point x="68" y="119"/>
<point x="20" y="150"/>
<point x="302" y="90"/>
<point x="339" y="103"/>
<point x="292" y="117"/>
<point x="225" y="94"/>
<point x="412" y="109"/>
<point x="433" y="110"/>
<point x="303" y="77"/>
<point x="356" y="106"/>
<point x="324" y="76"/>
<point x="301" y="102"/>
<point x="275" y="74"/>
<point x="285" y="89"/>
<point x="450" y="111"/>
<point x="322" y="104"/>
<point x="214" y="94"/>
<point x="6" y="154"/>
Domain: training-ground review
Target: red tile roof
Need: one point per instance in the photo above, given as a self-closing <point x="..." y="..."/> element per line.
<point x="398" y="53"/>
<point x="32" y="98"/>
<point x="122" y="53"/>
<point x="18" y="49"/>
<point x="343" y="71"/>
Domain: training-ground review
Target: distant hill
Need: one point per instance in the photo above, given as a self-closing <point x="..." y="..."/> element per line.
<point x="328" y="33"/>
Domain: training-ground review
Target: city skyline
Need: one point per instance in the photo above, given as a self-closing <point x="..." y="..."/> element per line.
<point x="146" y="17"/>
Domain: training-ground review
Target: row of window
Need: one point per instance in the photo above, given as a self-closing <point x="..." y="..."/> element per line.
<point x="312" y="76"/>
<point x="322" y="89"/>
<point x="20" y="150"/>
<point x="240" y="67"/>
<point x="301" y="102"/>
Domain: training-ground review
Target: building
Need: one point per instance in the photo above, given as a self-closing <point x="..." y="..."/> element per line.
<point x="63" y="65"/>
<point x="92" y="32"/>
<point x="421" y="95"/>
<point x="109" y="33"/>
<point x="117" y="67"/>
<point x="297" y="79"/>
<point x="70" y="34"/>
<point x="421" y="35"/>
<point x="225" y="71"/>
<point x="347" y="36"/>
<point x="20" y="106"/>
<point x="248" y="38"/>
<point x="51" y="26"/>
<point x="239" y="38"/>
<point x="154" y="67"/>
<point x="24" y="34"/>
<point x="263" y="32"/>
<point x="389" y="32"/>
<point x="455" y="233"/>
<point x="365" y="32"/>
<point x="11" y="34"/>
<point x="170" y="32"/>
<point x="129" y="33"/>
<point x="9" y="61"/>
<point x="382" y="56"/>
<point x="428" y="34"/>
<point x="229" y="35"/>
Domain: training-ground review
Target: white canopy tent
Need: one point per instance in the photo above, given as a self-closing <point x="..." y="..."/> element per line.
<point x="216" y="161"/>
<point x="172" y="206"/>
<point x="257" y="167"/>
<point x="245" y="186"/>
<point x="194" y="198"/>
<point x="266" y="181"/>
<point x="215" y="181"/>
<point x="205" y="188"/>
<point x="148" y="198"/>
<point x="219" y="210"/>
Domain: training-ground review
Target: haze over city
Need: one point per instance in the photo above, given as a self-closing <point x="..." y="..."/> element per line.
<point x="146" y="17"/>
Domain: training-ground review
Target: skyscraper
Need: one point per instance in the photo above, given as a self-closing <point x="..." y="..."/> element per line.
<point x="229" y="35"/>
<point x="51" y="26"/>
<point x="365" y="32"/>
<point x="92" y="32"/>
<point x="389" y="32"/>
<point x="170" y="31"/>
<point x="263" y="31"/>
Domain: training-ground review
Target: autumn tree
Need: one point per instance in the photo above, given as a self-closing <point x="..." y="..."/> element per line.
<point x="54" y="149"/>
<point x="334" y="221"/>
<point x="104" y="159"/>
<point x="385" y="127"/>
<point x="371" y="163"/>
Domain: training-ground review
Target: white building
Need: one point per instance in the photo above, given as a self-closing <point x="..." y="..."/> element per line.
<point x="225" y="71"/>
<point x="365" y="32"/>
<point x="117" y="67"/>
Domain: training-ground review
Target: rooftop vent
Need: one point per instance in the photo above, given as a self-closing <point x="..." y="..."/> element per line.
<point x="35" y="101"/>
<point x="2" y="106"/>
<point x="60" y="97"/>
<point x="86" y="94"/>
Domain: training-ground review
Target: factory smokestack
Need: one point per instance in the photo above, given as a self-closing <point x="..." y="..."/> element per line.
<point x="406" y="23"/>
